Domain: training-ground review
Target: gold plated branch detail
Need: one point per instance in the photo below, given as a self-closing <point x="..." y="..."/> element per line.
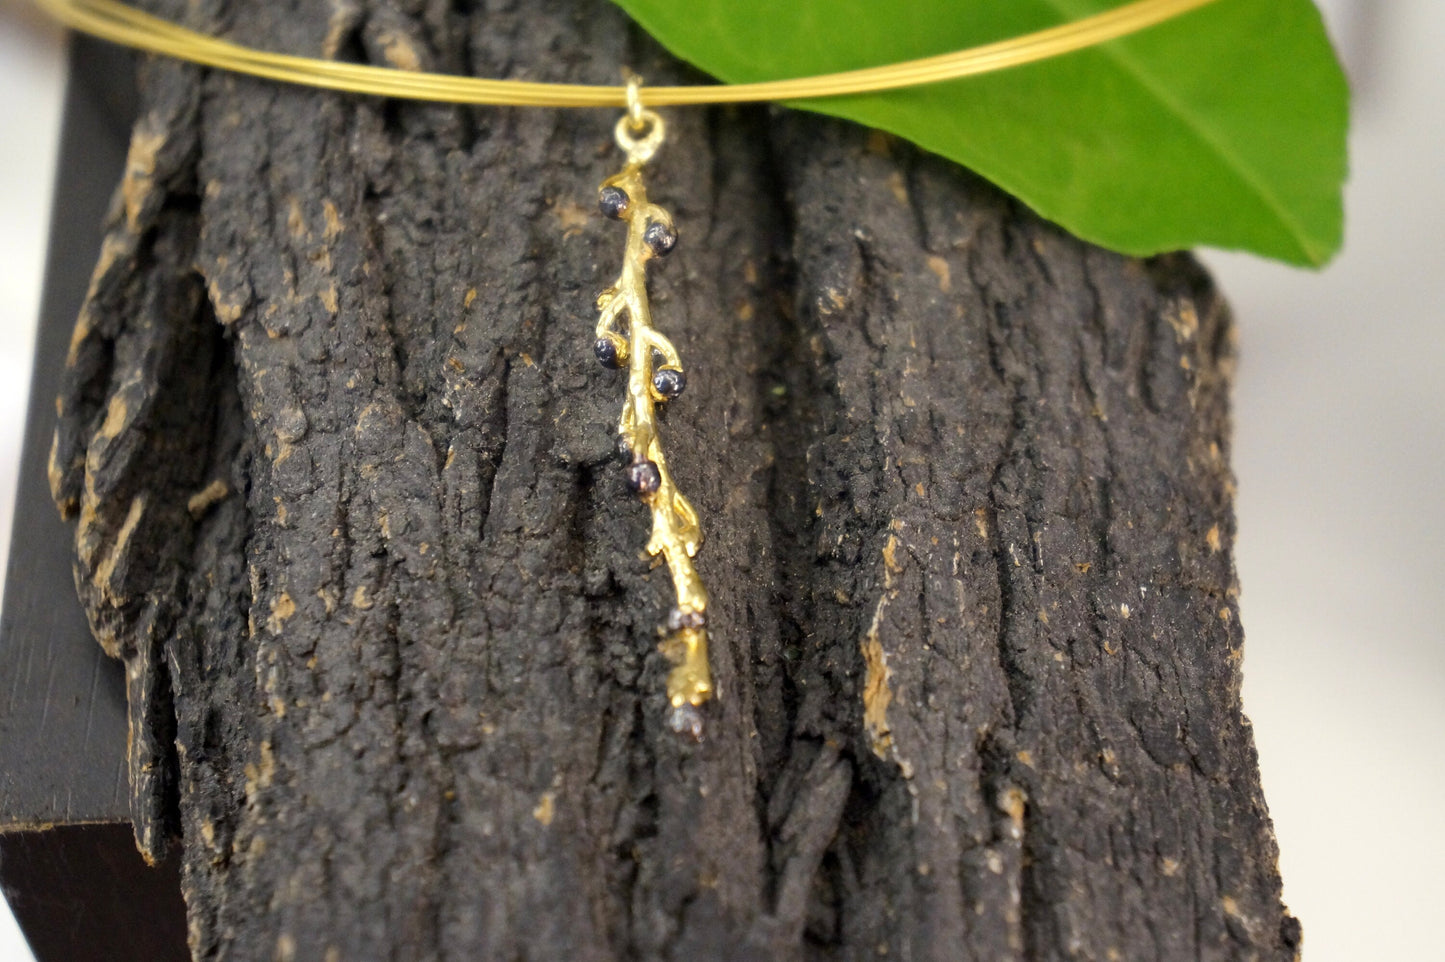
<point x="626" y="338"/>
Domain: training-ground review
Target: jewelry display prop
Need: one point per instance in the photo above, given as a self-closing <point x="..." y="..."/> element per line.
<point x="625" y="335"/>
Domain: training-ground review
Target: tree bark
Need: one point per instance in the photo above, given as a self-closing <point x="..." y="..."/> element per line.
<point x="349" y="508"/>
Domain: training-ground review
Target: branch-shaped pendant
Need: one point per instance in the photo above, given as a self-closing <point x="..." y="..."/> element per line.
<point x="626" y="337"/>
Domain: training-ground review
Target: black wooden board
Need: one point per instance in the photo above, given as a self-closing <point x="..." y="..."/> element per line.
<point x="62" y="704"/>
<point x="79" y="890"/>
<point x="82" y="894"/>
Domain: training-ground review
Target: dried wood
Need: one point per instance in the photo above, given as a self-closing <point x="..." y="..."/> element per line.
<point x="349" y="508"/>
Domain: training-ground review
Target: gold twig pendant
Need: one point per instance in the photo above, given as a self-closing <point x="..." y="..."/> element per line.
<point x="626" y="337"/>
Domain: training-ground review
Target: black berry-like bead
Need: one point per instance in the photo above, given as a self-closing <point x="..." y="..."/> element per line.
<point x="669" y="381"/>
<point x="624" y="449"/>
<point x="607" y="353"/>
<point x="613" y="202"/>
<point x="660" y="237"/>
<point x="643" y="477"/>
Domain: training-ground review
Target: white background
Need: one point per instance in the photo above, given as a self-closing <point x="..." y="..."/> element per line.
<point x="1340" y="456"/>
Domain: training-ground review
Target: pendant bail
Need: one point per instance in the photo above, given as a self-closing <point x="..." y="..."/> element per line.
<point x="640" y="131"/>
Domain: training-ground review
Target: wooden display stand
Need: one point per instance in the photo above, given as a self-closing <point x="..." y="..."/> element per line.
<point x="68" y="861"/>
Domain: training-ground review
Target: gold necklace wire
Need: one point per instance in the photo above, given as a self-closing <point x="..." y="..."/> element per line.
<point x="119" y="23"/>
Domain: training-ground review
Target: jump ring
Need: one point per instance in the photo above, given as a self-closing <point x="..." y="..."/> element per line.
<point x="640" y="140"/>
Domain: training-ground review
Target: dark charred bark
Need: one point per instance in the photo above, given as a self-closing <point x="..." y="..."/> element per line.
<point x="348" y="507"/>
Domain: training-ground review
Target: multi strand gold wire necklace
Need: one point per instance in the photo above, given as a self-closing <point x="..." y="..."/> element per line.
<point x="625" y="335"/>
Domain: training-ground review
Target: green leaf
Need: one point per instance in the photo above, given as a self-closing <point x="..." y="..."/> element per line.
<point x="1224" y="127"/>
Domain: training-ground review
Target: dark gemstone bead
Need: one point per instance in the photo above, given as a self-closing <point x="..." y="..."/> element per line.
<point x="624" y="449"/>
<point x="660" y="237"/>
<point x="669" y="381"/>
<point x="677" y="619"/>
<point x="606" y="351"/>
<point x="643" y="477"/>
<point x="613" y="202"/>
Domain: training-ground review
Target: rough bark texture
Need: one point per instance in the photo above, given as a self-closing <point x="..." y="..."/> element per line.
<point x="348" y="508"/>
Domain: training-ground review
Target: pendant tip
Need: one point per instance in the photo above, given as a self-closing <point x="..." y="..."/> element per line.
<point x="686" y="720"/>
